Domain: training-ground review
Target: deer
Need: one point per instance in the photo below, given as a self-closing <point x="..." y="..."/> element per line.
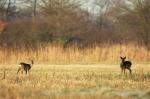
<point x="125" y="65"/>
<point x="25" y="67"/>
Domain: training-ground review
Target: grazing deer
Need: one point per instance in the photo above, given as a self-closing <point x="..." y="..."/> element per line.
<point x="125" y="65"/>
<point x="25" y="67"/>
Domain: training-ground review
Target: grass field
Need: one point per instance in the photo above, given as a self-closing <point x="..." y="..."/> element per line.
<point x="75" y="82"/>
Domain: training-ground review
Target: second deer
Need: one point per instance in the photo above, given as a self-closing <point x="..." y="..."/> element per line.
<point x="125" y="65"/>
<point x="25" y="67"/>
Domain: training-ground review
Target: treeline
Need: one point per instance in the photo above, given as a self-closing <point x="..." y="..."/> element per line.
<point x="64" y="22"/>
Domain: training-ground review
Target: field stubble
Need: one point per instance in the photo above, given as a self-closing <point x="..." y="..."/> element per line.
<point x="76" y="82"/>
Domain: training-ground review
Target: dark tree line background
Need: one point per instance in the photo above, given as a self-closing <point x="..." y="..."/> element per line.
<point x="33" y="22"/>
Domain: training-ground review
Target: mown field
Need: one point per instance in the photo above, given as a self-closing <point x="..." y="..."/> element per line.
<point x="75" y="82"/>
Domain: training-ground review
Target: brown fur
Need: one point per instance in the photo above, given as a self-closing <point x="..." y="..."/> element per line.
<point x="25" y="67"/>
<point x="125" y="65"/>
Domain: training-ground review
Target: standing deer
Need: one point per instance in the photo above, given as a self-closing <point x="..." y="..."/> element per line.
<point x="125" y="65"/>
<point x="25" y="67"/>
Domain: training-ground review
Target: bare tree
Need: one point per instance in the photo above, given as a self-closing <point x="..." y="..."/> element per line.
<point x="2" y="7"/>
<point x="34" y="8"/>
<point x="7" y="8"/>
<point x="103" y="6"/>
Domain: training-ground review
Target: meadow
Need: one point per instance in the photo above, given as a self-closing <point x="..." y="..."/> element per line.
<point x="92" y="73"/>
<point x="99" y="81"/>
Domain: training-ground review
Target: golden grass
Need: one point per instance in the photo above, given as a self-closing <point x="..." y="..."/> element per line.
<point x="104" y="53"/>
<point x="75" y="82"/>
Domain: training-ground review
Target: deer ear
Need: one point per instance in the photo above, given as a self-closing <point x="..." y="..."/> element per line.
<point x="120" y="57"/>
<point x="125" y="57"/>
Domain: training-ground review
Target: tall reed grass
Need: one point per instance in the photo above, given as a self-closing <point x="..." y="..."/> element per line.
<point x="104" y="53"/>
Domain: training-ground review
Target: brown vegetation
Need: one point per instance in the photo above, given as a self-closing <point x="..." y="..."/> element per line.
<point x="75" y="34"/>
<point x="104" y="53"/>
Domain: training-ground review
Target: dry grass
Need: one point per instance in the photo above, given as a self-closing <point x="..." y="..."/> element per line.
<point x="75" y="82"/>
<point x="104" y="53"/>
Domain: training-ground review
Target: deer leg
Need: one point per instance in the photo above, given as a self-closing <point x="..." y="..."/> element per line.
<point x="18" y="70"/>
<point x="22" y="72"/>
<point x="26" y="72"/>
<point x="124" y="70"/>
<point x="130" y="70"/>
<point x="121" y="70"/>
